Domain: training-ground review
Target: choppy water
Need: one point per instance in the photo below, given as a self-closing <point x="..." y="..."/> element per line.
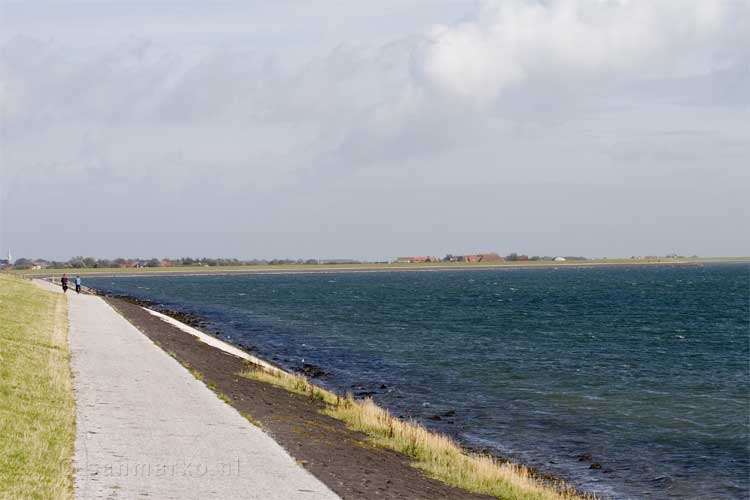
<point x="645" y="368"/>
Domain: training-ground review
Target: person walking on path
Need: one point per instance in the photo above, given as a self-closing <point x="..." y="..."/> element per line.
<point x="78" y="284"/>
<point x="64" y="281"/>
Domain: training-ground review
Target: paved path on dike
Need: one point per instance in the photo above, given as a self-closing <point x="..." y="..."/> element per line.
<point x="146" y="428"/>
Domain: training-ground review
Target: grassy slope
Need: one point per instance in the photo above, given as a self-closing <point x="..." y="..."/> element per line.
<point x="37" y="409"/>
<point x="365" y="267"/>
<point x="437" y="455"/>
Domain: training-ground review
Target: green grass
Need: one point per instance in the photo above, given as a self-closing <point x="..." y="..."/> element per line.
<point x="216" y="391"/>
<point x="250" y="419"/>
<point x="364" y="267"/>
<point x="37" y="409"/>
<point x="223" y="397"/>
<point x="435" y="454"/>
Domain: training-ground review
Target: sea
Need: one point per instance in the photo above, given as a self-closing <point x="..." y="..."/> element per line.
<point x="631" y="382"/>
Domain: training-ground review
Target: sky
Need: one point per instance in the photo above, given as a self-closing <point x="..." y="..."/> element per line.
<point x="370" y="130"/>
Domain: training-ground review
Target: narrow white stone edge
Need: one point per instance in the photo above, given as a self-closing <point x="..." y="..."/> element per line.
<point x="213" y="341"/>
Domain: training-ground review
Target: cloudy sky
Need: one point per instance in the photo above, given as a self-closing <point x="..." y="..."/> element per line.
<point x="374" y="129"/>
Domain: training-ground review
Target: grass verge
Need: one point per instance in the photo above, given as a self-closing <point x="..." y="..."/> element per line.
<point x="435" y="454"/>
<point x="37" y="409"/>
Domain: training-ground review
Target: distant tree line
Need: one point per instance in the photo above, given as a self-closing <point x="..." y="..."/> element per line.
<point x="80" y="262"/>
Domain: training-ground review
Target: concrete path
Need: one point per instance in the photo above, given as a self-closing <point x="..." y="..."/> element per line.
<point x="146" y="428"/>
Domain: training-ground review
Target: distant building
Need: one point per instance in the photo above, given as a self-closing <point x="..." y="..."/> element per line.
<point x="491" y="257"/>
<point x="416" y="260"/>
<point x="39" y="264"/>
<point x="454" y="258"/>
<point x="560" y="259"/>
<point x="473" y="258"/>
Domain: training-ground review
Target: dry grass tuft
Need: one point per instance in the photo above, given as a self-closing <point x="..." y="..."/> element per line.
<point x="436" y="454"/>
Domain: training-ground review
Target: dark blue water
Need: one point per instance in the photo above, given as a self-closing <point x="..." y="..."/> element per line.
<point x="645" y="368"/>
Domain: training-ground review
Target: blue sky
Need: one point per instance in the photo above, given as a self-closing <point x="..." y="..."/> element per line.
<point x="338" y="129"/>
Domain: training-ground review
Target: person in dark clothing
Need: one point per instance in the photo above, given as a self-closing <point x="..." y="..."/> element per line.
<point x="78" y="284"/>
<point x="64" y="281"/>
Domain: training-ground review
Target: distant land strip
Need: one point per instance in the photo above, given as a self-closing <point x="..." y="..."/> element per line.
<point x="365" y="267"/>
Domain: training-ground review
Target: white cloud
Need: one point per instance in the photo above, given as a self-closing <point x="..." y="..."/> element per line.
<point x="512" y="41"/>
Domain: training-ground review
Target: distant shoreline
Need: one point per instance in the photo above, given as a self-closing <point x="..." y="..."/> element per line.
<point x="365" y="268"/>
